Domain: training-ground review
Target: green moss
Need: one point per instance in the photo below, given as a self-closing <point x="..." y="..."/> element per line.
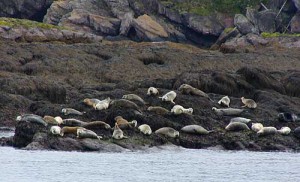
<point x="13" y="22"/>
<point x="229" y="29"/>
<point x="277" y="34"/>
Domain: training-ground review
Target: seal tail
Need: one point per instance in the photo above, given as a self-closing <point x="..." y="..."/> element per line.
<point x="211" y="131"/>
<point x="125" y="137"/>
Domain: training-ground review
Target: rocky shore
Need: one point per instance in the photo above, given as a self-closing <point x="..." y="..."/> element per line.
<point x="87" y="49"/>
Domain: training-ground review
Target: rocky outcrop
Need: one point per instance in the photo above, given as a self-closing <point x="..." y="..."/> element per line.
<point x="266" y="21"/>
<point x="295" y="24"/>
<point x="243" y="24"/>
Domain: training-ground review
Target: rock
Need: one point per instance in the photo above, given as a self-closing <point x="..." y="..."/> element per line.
<point x="148" y="30"/>
<point x="226" y="35"/>
<point x="126" y="24"/>
<point x="252" y="16"/>
<point x="295" y="23"/>
<point x="172" y="15"/>
<point x="266" y="21"/>
<point x="243" y="24"/>
<point x="119" y="8"/>
<point x="105" y="25"/>
<point x="297" y="132"/>
<point x="291" y="84"/>
<point x="297" y="4"/>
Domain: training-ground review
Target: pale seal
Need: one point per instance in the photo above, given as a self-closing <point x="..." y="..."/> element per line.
<point x="102" y="105"/>
<point x="133" y="97"/>
<point x="240" y="119"/>
<point x="96" y="125"/>
<point x="284" y="130"/>
<point x="68" y="111"/>
<point x="256" y="127"/>
<point x="224" y="101"/>
<point x="118" y="133"/>
<point x="170" y="96"/>
<point x="31" y="118"/>
<point x="188" y="89"/>
<point x="69" y="130"/>
<point x="195" y="129"/>
<point x="248" y="103"/>
<point x="145" y="129"/>
<point x="167" y="131"/>
<point x="227" y="111"/>
<point x="90" y="102"/>
<point x="152" y="91"/>
<point x="53" y="120"/>
<point x="73" y="122"/>
<point x="236" y="126"/>
<point x="178" y="109"/>
<point x="158" y="110"/>
<point x="55" y="130"/>
<point x="124" y="124"/>
<point x="85" y="133"/>
<point x="124" y="103"/>
<point x="267" y="131"/>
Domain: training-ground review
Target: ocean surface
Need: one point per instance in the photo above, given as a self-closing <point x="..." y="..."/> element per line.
<point x="168" y="163"/>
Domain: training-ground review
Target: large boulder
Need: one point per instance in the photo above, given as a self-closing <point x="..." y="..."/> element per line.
<point x="297" y="4"/>
<point x="267" y="21"/>
<point x="295" y="23"/>
<point x="243" y="24"/>
<point x="148" y="29"/>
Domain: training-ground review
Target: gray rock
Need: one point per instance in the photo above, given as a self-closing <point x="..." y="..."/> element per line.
<point x="119" y="8"/>
<point x="266" y="21"/>
<point x="295" y="23"/>
<point x="252" y="16"/>
<point x="243" y="24"/>
<point x="172" y="15"/>
<point x="297" y="4"/>
<point x="126" y="24"/>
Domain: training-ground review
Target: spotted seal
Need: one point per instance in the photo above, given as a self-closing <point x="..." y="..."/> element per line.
<point x="256" y="127"/>
<point x="53" y="120"/>
<point x="227" y="111"/>
<point x="102" y="104"/>
<point x="248" y="103"/>
<point x="284" y="130"/>
<point x="91" y="102"/>
<point x="133" y="97"/>
<point x="224" y="101"/>
<point x="96" y="125"/>
<point x="240" y="119"/>
<point x="125" y="103"/>
<point x="68" y="111"/>
<point x="158" y="110"/>
<point x="118" y="133"/>
<point x="85" y="133"/>
<point x="124" y="124"/>
<point x="170" y="96"/>
<point x="236" y="126"/>
<point x="69" y="130"/>
<point x="31" y="118"/>
<point x="270" y="130"/>
<point x="152" y="91"/>
<point x="188" y="89"/>
<point x="55" y="130"/>
<point x="195" y="129"/>
<point x="167" y="131"/>
<point x="73" y="122"/>
<point x="145" y="129"/>
<point x="178" y="109"/>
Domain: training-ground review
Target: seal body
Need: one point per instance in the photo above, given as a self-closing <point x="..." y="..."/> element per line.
<point x="124" y="124"/>
<point x="267" y="131"/>
<point x="67" y="111"/>
<point x="133" y="97"/>
<point x="284" y="130"/>
<point x="169" y="97"/>
<point x="227" y="111"/>
<point x="224" y="101"/>
<point x="96" y="125"/>
<point x="240" y="119"/>
<point x="297" y="132"/>
<point x="32" y="118"/>
<point x="52" y="120"/>
<point x="195" y="129"/>
<point x="73" y="122"/>
<point x="168" y="131"/>
<point x="91" y="102"/>
<point x="55" y="130"/>
<point x="103" y="104"/>
<point x="69" y="130"/>
<point x="158" y="110"/>
<point x="118" y="133"/>
<point x="236" y="126"/>
<point x="59" y="120"/>
<point x="256" y="127"/>
<point x="85" y="133"/>
<point x="152" y="91"/>
<point x="248" y="103"/>
<point x="145" y="129"/>
<point x="178" y="109"/>
<point x="188" y="89"/>
<point x="125" y="103"/>
<point x="287" y="117"/>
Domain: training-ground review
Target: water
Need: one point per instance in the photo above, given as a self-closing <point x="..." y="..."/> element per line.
<point x="169" y="164"/>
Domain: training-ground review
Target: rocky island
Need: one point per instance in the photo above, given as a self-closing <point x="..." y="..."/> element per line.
<point x="55" y="54"/>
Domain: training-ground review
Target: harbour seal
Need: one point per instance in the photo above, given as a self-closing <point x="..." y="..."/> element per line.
<point x="85" y="133"/>
<point x="55" y="130"/>
<point x="256" y="127"/>
<point x="145" y="129"/>
<point x="284" y="130"/>
<point x="68" y="111"/>
<point x="178" y="109"/>
<point x="124" y="124"/>
<point x="152" y="91"/>
<point x="90" y="102"/>
<point x="53" y="120"/>
<point x="31" y="118"/>
<point x="96" y="125"/>
<point x="248" y="103"/>
<point x="195" y="129"/>
<point x="167" y="131"/>
<point x="240" y="119"/>
<point x="236" y="126"/>
<point x="73" y="122"/>
<point x="170" y="96"/>
<point x="102" y="105"/>
<point x="224" y="101"/>
<point x="297" y="132"/>
<point x="267" y="131"/>
<point x="69" y="130"/>
<point x="188" y="89"/>
<point x="287" y="117"/>
<point x="133" y="97"/>
<point x="125" y="103"/>
<point x="227" y="111"/>
<point x="158" y="110"/>
<point x="118" y="133"/>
